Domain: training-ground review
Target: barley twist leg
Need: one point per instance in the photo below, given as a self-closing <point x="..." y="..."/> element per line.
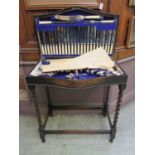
<point x="118" y="105"/>
<point x="34" y="100"/>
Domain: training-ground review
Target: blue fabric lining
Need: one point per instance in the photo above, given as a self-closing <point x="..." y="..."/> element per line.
<point x="98" y="24"/>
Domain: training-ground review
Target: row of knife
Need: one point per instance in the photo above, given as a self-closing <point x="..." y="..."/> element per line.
<point x="75" y="40"/>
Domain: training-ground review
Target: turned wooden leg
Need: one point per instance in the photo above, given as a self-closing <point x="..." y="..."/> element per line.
<point x="50" y="112"/>
<point x="34" y="100"/>
<point x="105" y="109"/>
<point x="113" y="128"/>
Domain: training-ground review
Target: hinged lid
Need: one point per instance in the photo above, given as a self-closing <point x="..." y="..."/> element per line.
<point x="75" y="31"/>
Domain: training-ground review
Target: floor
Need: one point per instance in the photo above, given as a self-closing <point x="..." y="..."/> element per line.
<point x="30" y="143"/>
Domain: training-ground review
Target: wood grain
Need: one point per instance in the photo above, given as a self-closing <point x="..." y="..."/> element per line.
<point x="58" y="4"/>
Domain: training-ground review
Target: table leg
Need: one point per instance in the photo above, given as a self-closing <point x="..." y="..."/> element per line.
<point x="34" y="100"/>
<point x="113" y="128"/>
<point x="105" y="109"/>
<point x="50" y="112"/>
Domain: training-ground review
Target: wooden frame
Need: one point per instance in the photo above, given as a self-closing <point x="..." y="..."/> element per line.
<point x="42" y="123"/>
<point x="131" y="2"/>
<point x="58" y="4"/>
<point x="131" y="33"/>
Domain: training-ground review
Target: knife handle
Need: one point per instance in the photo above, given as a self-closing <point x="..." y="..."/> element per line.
<point x="77" y="17"/>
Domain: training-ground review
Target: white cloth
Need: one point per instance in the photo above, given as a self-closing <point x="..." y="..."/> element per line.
<point x="97" y="58"/>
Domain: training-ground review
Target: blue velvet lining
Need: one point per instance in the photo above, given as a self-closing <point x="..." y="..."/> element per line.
<point x="97" y="24"/>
